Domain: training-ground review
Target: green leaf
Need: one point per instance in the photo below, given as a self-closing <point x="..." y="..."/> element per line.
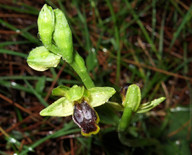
<point x="179" y="123"/>
<point x="178" y="131"/>
<point x="100" y="95"/>
<point x="178" y="147"/>
<point x="60" y="108"/>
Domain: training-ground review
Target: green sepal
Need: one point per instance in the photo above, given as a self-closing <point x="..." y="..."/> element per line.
<point x="46" y="25"/>
<point x="60" y="108"/>
<point x="100" y="95"/>
<point x="133" y="97"/>
<point x="145" y="107"/>
<point x="62" y="36"/>
<point x="41" y="59"/>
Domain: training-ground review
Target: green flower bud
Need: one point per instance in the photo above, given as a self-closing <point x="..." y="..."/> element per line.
<point x="132" y="98"/>
<point x="63" y="36"/>
<point x="41" y="59"/>
<point x="46" y="22"/>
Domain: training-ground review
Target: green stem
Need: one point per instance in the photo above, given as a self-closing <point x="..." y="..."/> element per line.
<point x="78" y="65"/>
<point x="122" y="132"/>
<point x="125" y="119"/>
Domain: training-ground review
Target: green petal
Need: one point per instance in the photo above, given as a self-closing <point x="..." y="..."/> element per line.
<point x="100" y="95"/>
<point x="60" y="91"/>
<point x="75" y="93"/>
<point x="60" y="108"/>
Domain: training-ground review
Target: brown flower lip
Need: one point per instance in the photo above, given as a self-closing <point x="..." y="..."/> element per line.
<point x="86" y="118"/>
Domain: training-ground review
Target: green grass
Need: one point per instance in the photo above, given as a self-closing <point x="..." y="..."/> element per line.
<point x="106" y="34"/>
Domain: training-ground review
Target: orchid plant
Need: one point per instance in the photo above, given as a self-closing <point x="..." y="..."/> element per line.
<point x="78" y="101"/>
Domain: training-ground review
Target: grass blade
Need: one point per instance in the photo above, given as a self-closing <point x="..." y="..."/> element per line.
<point x="186" y="19"/>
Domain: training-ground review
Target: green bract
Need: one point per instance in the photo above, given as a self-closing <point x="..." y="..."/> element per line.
<point x="64" y="106"/>
<point x="145" y="107"/>
<point x="46" y="25"/>
<point x="41" y="59"/>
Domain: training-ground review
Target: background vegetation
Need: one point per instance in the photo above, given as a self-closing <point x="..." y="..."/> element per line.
<point x="145" y="42"/>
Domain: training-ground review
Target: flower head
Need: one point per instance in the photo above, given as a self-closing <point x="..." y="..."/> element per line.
<point x="79" y="102"/>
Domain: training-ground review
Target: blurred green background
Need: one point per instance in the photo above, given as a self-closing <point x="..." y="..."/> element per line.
<point x="145" y="42"/>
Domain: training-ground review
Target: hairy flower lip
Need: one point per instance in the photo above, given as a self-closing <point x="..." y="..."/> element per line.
<point x="86" y="118"/>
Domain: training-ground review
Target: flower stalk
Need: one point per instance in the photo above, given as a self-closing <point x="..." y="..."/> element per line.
<point x="79" y="66"/>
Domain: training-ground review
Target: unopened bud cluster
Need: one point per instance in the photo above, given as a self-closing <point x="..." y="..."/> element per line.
<point x="56" y="36"/>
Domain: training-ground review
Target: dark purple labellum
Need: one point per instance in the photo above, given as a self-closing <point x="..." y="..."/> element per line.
<point x="86" y="118"/>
